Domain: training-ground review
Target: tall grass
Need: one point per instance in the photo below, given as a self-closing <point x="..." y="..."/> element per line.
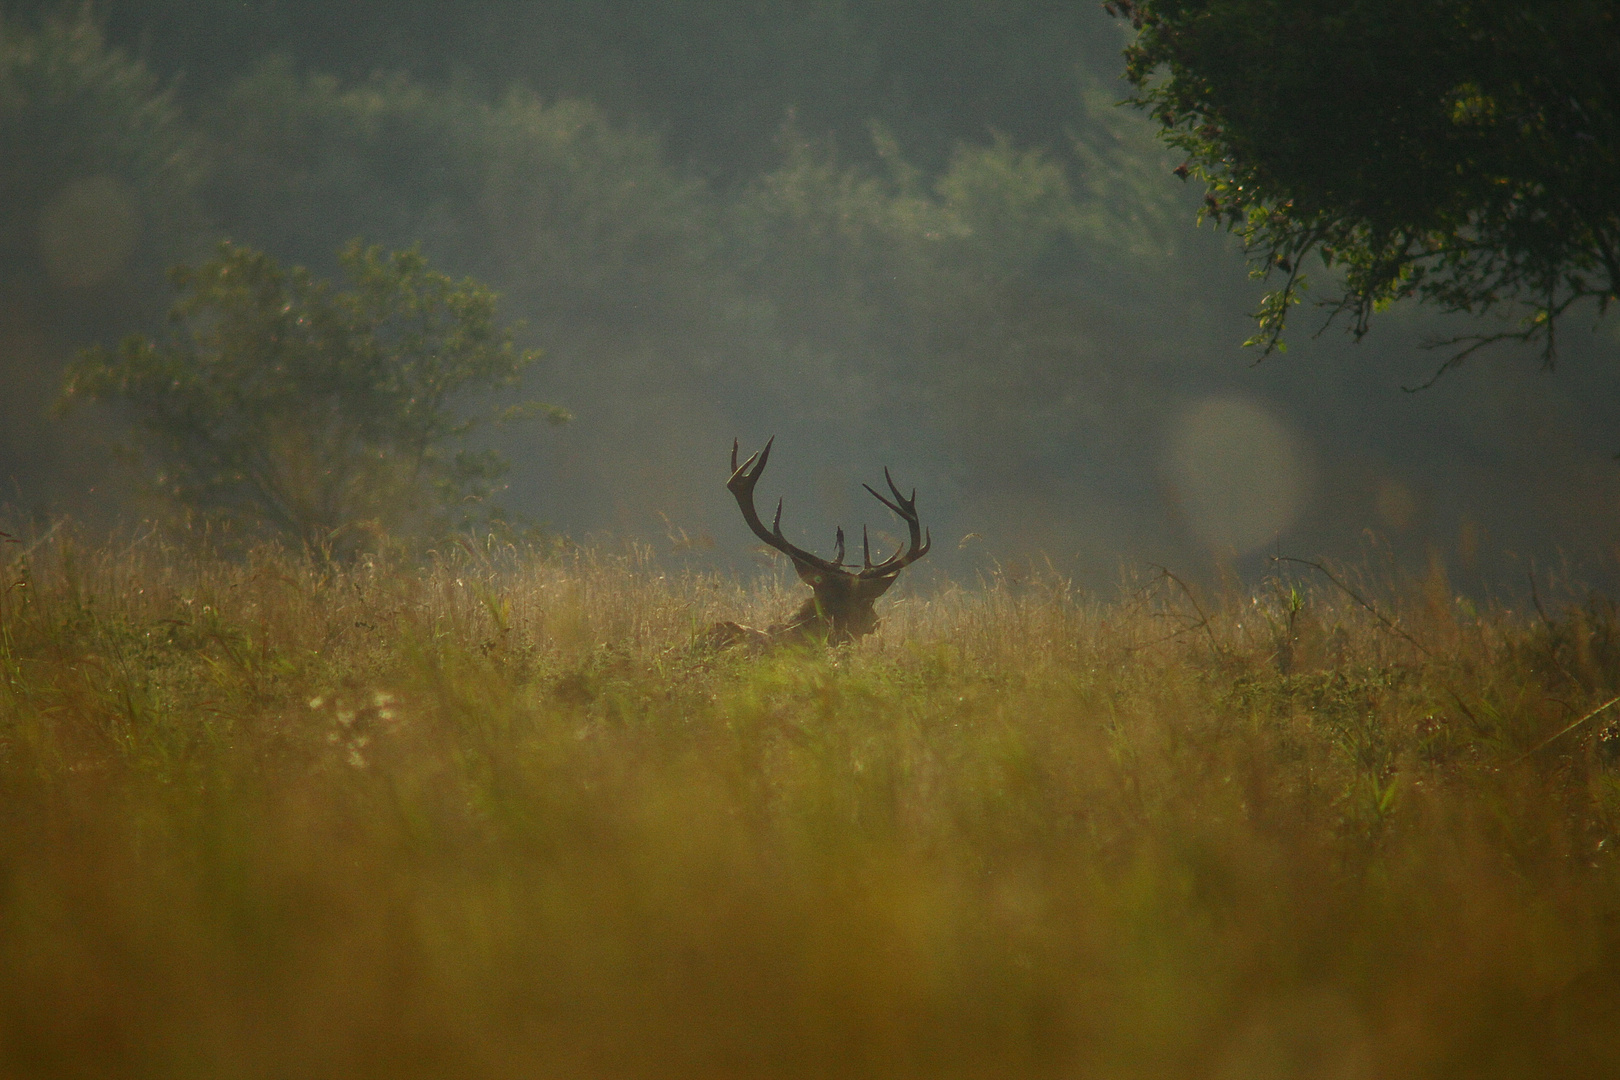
<point x="496" y="816"/>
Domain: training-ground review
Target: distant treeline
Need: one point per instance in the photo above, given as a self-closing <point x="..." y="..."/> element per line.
<point x="839" y="282"/>
<point x="715" y="77"/>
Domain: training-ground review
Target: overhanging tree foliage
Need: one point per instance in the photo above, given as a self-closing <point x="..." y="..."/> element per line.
<point x="326" y="417"/>
<point x="1463" y="152"/>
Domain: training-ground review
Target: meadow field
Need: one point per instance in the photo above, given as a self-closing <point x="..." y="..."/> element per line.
<point x="492" y="813"/>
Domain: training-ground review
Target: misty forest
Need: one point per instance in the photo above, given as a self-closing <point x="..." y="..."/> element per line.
<point x="809" y="538"/>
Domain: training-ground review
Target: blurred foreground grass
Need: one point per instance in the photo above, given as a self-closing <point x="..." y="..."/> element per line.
<point x="496" y="817"/>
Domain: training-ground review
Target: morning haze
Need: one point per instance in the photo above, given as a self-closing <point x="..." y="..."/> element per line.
<point x="920" y="235"/>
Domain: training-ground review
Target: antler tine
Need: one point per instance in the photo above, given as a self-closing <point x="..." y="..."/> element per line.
<point x="919" y="543"/>
<point x="748" y="466"/>
<point x="741" y="486"/>
<point x="909" y="504"/>
<point x="878" y="495"/>
<point x="838" y="557"/>
<point x="866" y="548"/>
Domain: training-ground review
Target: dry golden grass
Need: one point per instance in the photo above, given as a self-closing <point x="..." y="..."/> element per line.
<point x="497" y="817"/>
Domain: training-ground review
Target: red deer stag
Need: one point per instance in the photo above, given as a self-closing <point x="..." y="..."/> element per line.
<point x="840" y="608"/>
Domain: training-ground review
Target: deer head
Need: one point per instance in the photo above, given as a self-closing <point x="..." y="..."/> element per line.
<point x="841" y="605"/>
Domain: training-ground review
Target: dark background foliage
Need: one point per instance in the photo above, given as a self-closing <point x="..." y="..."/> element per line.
<point x="1464" y="153"/>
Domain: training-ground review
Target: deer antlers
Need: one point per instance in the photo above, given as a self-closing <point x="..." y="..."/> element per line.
<point x="812" y="569"/>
